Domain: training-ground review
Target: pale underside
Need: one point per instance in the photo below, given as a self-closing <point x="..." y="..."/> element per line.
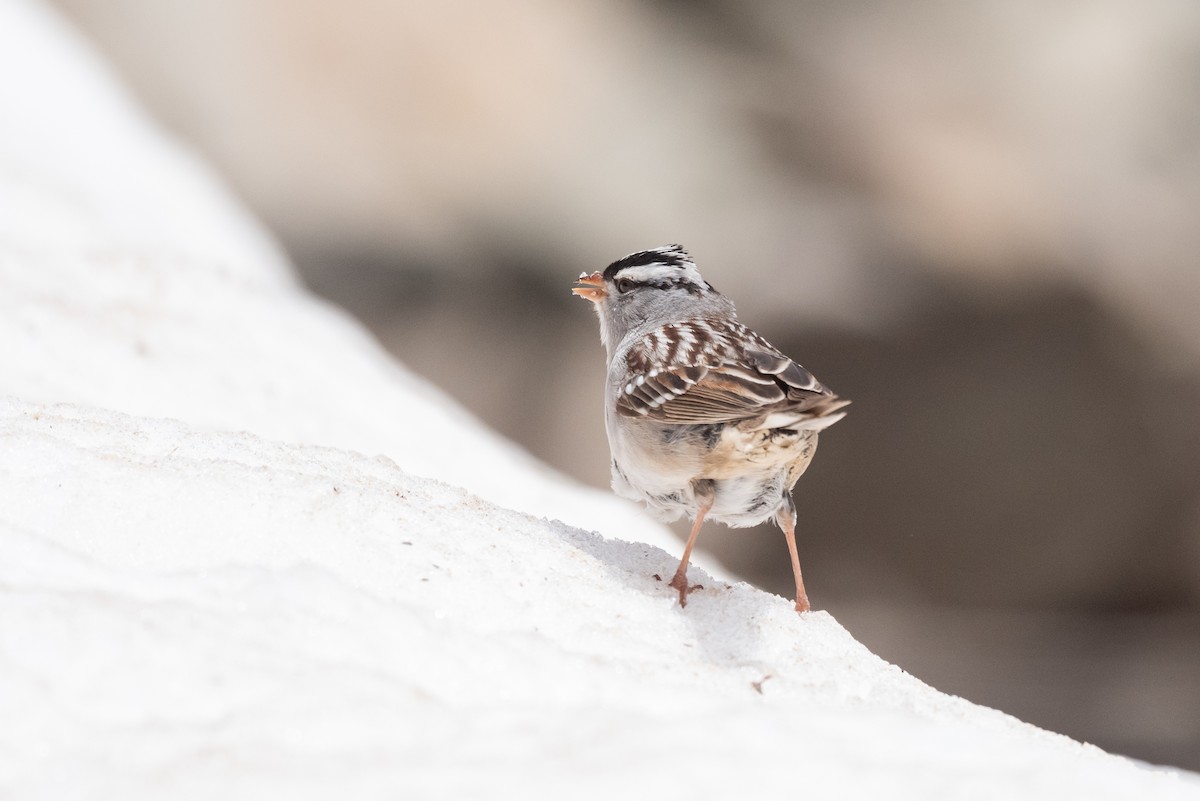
<point x="675" y="470"/>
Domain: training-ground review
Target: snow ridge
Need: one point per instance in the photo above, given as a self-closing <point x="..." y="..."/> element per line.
<point x="187" y="613"/>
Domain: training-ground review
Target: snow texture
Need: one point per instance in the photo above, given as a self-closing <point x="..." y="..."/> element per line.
<point x="132" y="281"/>
<point x="207" y="591"/>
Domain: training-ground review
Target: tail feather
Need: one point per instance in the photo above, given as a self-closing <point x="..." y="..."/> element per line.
<point x="819" y="413"/>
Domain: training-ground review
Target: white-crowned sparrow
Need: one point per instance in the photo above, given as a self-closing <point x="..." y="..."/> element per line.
<point x="704" y="416"/>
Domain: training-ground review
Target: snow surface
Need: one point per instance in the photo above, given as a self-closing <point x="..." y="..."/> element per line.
<point x="132" y="281"/>
<point x="237" y="603"/>
<point x="197" y="615"/>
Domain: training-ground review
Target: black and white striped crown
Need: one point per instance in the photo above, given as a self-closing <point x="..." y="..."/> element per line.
<point x="670" y="256"/>
<point x="664" y="267"/>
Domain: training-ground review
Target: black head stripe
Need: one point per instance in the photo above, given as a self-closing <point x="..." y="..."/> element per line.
<point x="676" y="283"/>
<point x="669" y="255"/>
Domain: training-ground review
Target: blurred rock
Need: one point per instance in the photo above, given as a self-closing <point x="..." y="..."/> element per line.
<point x="799" y="143"/>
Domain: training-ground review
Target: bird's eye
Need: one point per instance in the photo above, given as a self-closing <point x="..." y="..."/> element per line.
<point x="624" y="285"/>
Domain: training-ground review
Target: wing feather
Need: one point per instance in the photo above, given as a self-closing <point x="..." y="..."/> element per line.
<point x="737" y="377"/>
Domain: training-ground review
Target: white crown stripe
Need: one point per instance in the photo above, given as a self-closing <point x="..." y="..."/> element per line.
<point x="661" y="273"/>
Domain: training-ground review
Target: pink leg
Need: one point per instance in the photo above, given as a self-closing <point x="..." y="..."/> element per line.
<point x="679" y="582"/>
<point x="787" y="521"/>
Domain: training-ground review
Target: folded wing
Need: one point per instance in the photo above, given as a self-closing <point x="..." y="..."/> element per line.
<point x="734" y="379"/>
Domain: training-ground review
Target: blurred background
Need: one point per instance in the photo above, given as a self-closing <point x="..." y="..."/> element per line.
<point x="978" y="220"/>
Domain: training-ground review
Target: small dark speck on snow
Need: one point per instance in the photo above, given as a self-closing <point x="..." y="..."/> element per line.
<point x="757" y="685"/>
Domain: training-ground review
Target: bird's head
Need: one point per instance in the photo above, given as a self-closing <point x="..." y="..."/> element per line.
<point x="653" y="287"/>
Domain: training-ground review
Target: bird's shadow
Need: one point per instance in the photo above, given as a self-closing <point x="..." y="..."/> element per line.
<point x="723" y="633"/>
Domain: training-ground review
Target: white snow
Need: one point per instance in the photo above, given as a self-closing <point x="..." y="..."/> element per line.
<point x="190" y="614"/>
<point x="132" y="281"/>
<point x="208" y="591"/>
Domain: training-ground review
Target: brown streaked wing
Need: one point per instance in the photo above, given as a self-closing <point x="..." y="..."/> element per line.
<point x="723" y="394"/>
<point x="737" y="383"/>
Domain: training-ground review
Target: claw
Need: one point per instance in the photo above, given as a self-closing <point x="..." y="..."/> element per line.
<point x="679" y="582"/>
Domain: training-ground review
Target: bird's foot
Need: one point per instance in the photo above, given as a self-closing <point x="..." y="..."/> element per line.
<point x="802" y="604"/>
<point x="679" y="582"/>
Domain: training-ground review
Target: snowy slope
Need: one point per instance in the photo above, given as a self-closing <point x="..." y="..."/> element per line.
<point x="208" y="591"/>
<point x="198" y="615"/>
<point x="132" y="281"/>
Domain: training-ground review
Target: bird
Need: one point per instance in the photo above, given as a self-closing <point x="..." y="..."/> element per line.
<point x="704" y="417"/>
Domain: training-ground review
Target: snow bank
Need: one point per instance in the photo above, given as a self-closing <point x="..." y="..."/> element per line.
<point x="132" y="281"/>
<point x="197" y="615"/>
<point x="191" y="611"/>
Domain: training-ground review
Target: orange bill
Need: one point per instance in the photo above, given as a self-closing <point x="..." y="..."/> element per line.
<point x="590" y="287"/>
